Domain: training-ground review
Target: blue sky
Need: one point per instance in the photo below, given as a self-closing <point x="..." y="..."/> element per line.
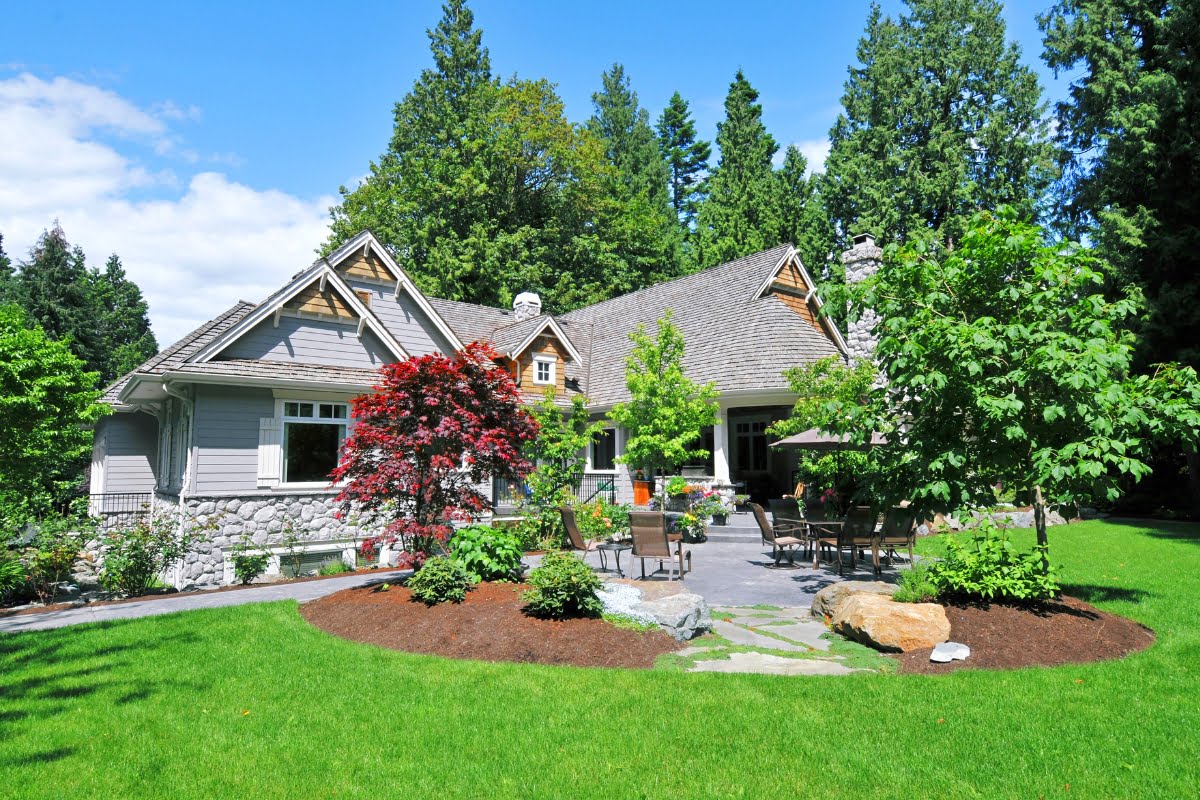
<point x="203" y="142"/>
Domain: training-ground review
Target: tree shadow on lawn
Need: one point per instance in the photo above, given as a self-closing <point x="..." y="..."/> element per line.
<point x="1177" y="530"/>
<point x="1093" y="593"/>
<point x="43" y="757"/>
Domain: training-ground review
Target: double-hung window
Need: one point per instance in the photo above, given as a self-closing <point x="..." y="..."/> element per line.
<point x="603" y="455"/>
<point x="312" y="440"/>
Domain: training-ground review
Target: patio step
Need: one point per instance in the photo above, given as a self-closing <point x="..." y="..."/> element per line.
<point x="734" y="533"/>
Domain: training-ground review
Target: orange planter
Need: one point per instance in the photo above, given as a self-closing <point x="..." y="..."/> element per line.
<point x="641" y="492"/>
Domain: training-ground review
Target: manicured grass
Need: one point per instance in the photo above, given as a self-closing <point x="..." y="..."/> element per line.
<point x="251" y="702"/>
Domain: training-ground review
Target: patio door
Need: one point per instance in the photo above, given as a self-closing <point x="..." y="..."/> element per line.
<point x="763" y="470"/>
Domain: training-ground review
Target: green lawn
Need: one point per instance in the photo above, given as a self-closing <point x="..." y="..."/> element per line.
<point x="253" y="703"/>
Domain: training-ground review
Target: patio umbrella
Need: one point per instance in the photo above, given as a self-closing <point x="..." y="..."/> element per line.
<point x="814" y="439"/>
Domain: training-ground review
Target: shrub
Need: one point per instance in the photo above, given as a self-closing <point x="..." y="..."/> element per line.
<point x="563" y="586"/>
<point x="486" y="553"/>
<point x="441" y="579"/>
<point x="333" y="566"/>
<point x="133" y="558"/>
<point x="915" y="585"/>
<point x="246" y="565"/>
<point x="51" y="556"/>
<point x="992" y="568"/>
<point x="12" y="575"/>
<point x="601" y="519"/>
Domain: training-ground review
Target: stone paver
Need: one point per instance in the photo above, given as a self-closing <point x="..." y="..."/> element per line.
<point x="807" y="633"/>
<point x="304" y="591"/>
<point x="740" y="635"/>
<point x="766" y="664"/>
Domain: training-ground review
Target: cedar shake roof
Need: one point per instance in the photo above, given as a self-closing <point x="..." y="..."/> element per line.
<point x="738" y="341"/>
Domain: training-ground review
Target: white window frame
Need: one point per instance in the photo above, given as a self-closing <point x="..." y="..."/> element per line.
<point x="284" y="418"/>
<point x="617" y="442"/>
<point x="551" y="365"/>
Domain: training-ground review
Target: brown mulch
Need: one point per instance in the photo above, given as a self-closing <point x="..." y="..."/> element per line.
<point x="1006" y="636"/>
<point x="158" y="594"/>
<point x="489" y="625"/>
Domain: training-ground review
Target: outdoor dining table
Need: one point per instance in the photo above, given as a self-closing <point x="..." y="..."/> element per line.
<point x="832" y="528"/>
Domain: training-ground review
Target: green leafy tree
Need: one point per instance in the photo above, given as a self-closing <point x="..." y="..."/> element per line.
<point x="7" y="276"/>
<point x="667" y="411"/>
<point x="803" y="220"/>
<point x="122" y="318"/>
<point x="940" y="120"/>
<point x="47" y="407"/>
<point x="686" y="157"/>
<point x="558" y="454"/>
<point x="1006" y="366"/>
<point x="740" y="215"/>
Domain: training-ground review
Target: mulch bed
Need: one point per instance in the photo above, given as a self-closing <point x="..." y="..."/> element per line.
<point x="159" y="594"/>
<point x="489" y="625"/>
<point x="1006" y="636"/>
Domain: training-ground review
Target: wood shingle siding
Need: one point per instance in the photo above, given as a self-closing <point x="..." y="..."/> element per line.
<point x="226" y="430"/>
<point x="544" y="346"/>
<point x="800" y="306"/>
<point x="356" y="266"/>
<point x="311" y="341"/>
<point x="410" y="326"/>
<point x="314" y="301"/>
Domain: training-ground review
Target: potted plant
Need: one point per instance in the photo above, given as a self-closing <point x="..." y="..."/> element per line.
<point x="691" y="526"/>
<point x="677" y="490"/>
<point x="710" y="506"/>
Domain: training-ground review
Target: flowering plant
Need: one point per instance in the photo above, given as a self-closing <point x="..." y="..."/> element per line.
<point x="600" y="519"/>
<point x="690" y="525"/>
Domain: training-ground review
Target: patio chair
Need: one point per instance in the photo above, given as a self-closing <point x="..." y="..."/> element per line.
<point x="649" y="530"/>
<point x="787" y="519"/>
<point x="779" y="544"/>
<point x="899" y="530"/>
<point x="854" y="534"/>
<point x="574" y="537"/>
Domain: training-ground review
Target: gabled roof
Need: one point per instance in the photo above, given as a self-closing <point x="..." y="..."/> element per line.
<point x="320" y="271"/>
<point x="513" y="340"/>
<point x="366" y="241"/>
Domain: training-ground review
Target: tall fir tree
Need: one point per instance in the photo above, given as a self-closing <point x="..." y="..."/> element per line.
<point x="486" y="189"/>
<point x="54" y="289"/>
<point x="940" y="119"/>
<point x="122" y="320"/>
<point x="686" y="157"/>
<point x="802" y="217"/>
<point x="630" y="146"/>
<point x="1130" y="138"/>
<point x="740" y="215"/>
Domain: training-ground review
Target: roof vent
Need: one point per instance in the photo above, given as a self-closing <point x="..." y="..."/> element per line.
<point x="864" y="238"/>
<point x="526" y="305"/>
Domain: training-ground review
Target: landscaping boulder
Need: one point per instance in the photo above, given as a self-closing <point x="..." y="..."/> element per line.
<point x="684" y="615"/>
<point x="882" y="623"/>
<point x="826" y="601"/>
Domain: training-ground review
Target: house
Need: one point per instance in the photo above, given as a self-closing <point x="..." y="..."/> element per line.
<point x="241" y="420"/>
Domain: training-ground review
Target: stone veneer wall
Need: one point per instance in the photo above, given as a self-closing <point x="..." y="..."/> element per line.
<point x="263" y="518"/>
<point x="861" y="262"/>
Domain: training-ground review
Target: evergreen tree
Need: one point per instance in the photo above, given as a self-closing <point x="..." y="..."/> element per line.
<point x="54" y="288"/>
<point x="686" y="157"/>
<point x="740" y="216"/>
<point x="1130" y="137"/>
<point x="802" y="217"/>
<point x="7" y="276"/>
<point x="122" y="319"/>
<point x="642" y="187"/>
<point x="940" y="120"/>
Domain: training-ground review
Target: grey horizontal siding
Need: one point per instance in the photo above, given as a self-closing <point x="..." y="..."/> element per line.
<point x="226" y="436"/>
<point x="131" y="443"/>
<point x="312" y="342"/>
<point x="407" y="323"/>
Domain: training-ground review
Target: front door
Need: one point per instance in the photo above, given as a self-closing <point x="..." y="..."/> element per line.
<point x="752" y="462"/>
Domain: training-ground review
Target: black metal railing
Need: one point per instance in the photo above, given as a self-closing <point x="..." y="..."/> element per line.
<point x="508" y="494"/>
<point x="120" y="508"/>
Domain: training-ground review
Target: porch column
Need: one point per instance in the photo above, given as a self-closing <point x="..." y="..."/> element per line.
<point x="721" y="446"/>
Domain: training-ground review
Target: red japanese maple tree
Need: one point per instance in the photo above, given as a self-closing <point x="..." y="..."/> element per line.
<point x="434" y="429"/>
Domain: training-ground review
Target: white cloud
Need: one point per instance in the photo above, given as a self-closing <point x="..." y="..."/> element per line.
<point x="815" y="152"/>
<point x="204" y="242"/>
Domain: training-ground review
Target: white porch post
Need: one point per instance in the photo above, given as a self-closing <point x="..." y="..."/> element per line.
<point x="721" y="446"/>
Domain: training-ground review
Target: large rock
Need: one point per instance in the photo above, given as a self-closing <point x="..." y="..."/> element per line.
<point x="884" y="624"/>
<point x="826" y="601"/>
<point x="685" y="615"/>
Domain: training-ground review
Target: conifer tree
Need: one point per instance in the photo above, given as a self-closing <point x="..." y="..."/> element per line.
<point x="940" y="120"/>
<point x="686" y="157"/>
<point x="7" y="276"/>
<point x="802" y="217"/>
<point x="122" y="320"/>
<point x="54" y="289"/>
<point x="740" y="215"/>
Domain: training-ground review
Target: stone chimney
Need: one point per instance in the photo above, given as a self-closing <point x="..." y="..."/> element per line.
<point x="526" y="305"/>
<point x="862" y="261"/>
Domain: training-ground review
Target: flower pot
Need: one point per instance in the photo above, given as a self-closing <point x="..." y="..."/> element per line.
<point x="642" y="491"/>
<point x="720" y="519"/>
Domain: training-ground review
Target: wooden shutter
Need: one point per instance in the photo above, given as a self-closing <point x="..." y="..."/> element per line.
<point x="270" y="451"/>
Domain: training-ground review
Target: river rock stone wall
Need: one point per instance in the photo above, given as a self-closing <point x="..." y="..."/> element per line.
<point x="862" y="261"/>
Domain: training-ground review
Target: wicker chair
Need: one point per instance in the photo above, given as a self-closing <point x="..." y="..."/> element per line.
<point x="574" y="537"/>
<point x="779" y="544"/>
<point x="649" y="530"/>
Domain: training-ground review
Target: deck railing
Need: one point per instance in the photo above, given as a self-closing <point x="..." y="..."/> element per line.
<point x="508" y="494"/>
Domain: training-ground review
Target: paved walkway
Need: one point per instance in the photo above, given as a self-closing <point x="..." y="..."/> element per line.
<point x="303" y="591"/>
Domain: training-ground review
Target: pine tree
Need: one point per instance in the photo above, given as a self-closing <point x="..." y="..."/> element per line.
<point x="939" y="120"/>
<point x="802" y="217"/>
<point x="122" y="317"/>
<point x="686" y="157"/>
<point x="739" y="216"/>
<point x="54" y="289"/>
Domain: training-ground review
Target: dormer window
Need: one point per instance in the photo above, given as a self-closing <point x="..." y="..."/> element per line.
<point x="543" y="370"/>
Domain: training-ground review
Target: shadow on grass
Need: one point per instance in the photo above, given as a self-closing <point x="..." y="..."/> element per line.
<point x="1176" y="530"/>
<point x="1093" y="593"/>
<point x="42" y="757"/>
